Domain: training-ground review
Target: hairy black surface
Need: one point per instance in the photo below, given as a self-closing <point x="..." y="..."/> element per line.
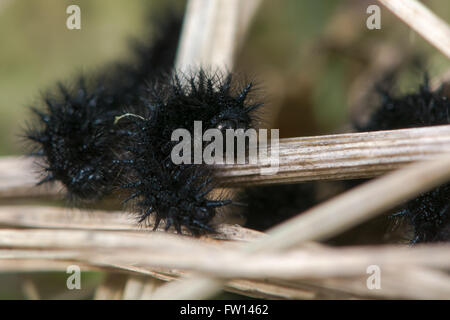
<point x="73" y="131"/>
<point x="178" y="194"/>
<point x="428" y="214"/>
<point x="423" y="107"/>
<point x="115" y="133"/>
<point x="73" y="135"/>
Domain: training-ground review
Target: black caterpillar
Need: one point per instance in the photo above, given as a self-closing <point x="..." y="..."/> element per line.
<point x="178" y="193"/>
<point x="428" y="214"/>
<point x="417" y="109"/>
<point x="74" y="133"/>
<point x="114" y="134"/>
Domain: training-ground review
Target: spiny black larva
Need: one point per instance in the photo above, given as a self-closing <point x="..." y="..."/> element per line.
<point x="178" y="194"/>
<point x="73" y="131"/>
<point x="420" y="108"/>
<point x="73" y="136"/>
<point x="88" y="144"/>
<point x="428" y="214"/>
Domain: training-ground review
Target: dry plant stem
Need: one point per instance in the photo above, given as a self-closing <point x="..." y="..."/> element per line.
<point x="29" y="288"/>
<point x="247" y="11"/>
<point x="331" y="157"/>
<point x="398" y="281"/>
<point x="209" y="35"/>
<point x="214" y="258"/>
<point x="139" y="287"/>
<point x="217" y="259"/>
<point x="76" y="219"/>
<point x="136" y="252"/>
<point x="251" y="288"/>
<point x="112" y="287"/>
<point x="212" y="31"/>
<point x="402" y="282"/>
<point x="295" y="264"/>
<point x="261" y="289"/>
<point x="19" y="176"/>
<point x="329" y="218"/>
<point x="66" y="218"/>
<point x="343" y="156"/>
<point x="423" y="21"/>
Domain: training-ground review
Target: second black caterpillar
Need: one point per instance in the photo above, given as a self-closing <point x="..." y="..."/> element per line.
<point x="113" y="134"/>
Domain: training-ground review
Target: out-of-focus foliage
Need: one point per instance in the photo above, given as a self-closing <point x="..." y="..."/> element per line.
<point x="37" y="49"/>
<point x="314" y="57"/>
<point x="308" y="55"/>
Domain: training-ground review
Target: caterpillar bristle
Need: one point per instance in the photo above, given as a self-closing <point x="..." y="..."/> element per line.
<point x="423" y="107"/>
<point x="113" y="133"/>
<point x="429" y="214"/>
<point x="73" y="131"/>
<point x="73" y="136"/>
<point x="177" y="194"/>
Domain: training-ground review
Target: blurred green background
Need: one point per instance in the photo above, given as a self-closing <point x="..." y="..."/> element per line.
<point x="310" y="57"/>
<point x="315" y="61"/>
